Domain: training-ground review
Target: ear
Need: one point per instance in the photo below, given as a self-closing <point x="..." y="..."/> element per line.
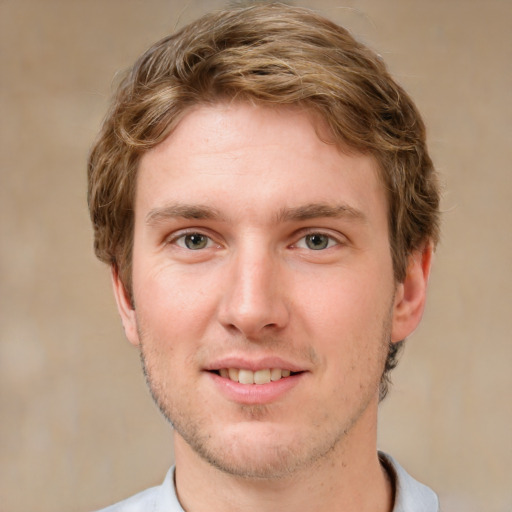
<point x="125" y="308"/>
<point x="411" y="294"/>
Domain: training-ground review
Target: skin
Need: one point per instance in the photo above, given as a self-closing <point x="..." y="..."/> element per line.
<point x="247" y="185"/>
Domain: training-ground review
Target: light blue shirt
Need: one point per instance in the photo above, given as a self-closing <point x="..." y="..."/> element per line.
<point x="410" y="495"/>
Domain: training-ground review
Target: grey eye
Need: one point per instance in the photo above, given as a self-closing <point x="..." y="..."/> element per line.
<point x="317" y="241"/>
<point x="195" y="241"/>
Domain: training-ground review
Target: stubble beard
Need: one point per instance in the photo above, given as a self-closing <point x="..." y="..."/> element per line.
<point x="276" y="462"/>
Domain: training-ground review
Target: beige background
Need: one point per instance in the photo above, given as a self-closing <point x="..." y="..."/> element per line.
<point x="77" y="428"/>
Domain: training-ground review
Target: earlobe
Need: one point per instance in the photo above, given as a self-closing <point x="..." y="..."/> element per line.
<point x="410" y="295"/>
<point x="125" y="308"/>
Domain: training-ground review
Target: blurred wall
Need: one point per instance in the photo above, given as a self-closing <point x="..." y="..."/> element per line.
<point x="77" y="427"/>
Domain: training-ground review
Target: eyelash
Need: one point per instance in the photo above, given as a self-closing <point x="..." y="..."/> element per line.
<point x="332" y="241"/>
<point x="174" y="240"/>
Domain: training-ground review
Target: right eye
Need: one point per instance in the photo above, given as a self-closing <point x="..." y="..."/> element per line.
<point x="194" y="241"/>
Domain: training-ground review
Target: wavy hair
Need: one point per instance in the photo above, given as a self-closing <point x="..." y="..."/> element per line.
<point x="271" y="54"/>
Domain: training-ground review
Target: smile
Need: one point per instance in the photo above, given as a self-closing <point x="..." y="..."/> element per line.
<point x="264" y="376"/>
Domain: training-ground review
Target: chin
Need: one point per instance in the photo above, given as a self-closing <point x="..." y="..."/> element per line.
<point x="269" y="462"/>
<point x="258" y="450"/>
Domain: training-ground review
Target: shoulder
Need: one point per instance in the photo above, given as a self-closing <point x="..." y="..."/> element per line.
<point x="144" y="500"/>
<point x="410" y="495"/>
<point x="161" y="498"/>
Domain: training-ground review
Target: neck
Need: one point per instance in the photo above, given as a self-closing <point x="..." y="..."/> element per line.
<point x="339" y="482"/>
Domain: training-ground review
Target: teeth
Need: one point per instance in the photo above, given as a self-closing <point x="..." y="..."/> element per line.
<point x="276" y="374"/>
<point x="262" y="377"/>
<point x="233" y="374"/>
<point x="249" y="377"/>
<point x="246" y="377"/>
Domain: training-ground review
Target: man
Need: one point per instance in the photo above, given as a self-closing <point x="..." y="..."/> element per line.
<point x="263" y="193"/>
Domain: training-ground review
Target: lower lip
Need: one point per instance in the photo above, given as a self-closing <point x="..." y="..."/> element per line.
<point x="254" y="394"/>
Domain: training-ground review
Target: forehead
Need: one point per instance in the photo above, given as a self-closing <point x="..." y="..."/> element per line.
<point x="255" y="156"/>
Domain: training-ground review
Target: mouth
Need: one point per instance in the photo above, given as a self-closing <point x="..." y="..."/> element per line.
<point x="248" y="377"/>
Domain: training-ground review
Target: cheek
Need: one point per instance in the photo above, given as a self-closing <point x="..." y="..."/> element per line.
<point x="345" y="301"/>
<point x="349" y="321"/>
<point x="172" y="298"/>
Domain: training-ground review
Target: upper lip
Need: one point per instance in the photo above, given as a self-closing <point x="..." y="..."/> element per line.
<point x="254" y="364"/>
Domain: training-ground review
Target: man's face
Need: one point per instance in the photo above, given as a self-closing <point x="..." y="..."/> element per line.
<point x="261" y="252"/>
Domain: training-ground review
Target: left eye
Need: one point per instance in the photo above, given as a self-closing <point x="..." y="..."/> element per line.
<point x="194" y="241"/>
<point x="316" y="242"/>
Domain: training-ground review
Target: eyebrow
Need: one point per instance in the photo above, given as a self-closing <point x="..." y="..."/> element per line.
<point x="317" y="210"/>
<point x="184" y="211"/>
<point x="298" y="213"/>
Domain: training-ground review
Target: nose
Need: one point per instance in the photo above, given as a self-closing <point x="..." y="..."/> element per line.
<point x="253" y="302"/>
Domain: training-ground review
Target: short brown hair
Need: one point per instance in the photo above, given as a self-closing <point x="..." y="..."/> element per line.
<point x="272" y="54"/>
